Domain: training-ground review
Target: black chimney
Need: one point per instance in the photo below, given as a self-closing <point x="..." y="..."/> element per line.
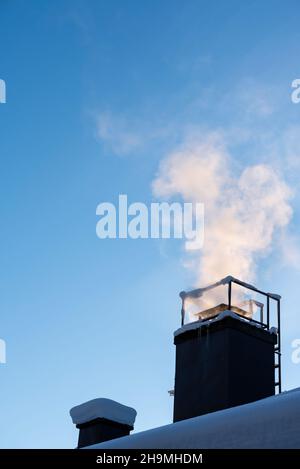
<point x="101" y="420"/>
<point x="226" y="359"/>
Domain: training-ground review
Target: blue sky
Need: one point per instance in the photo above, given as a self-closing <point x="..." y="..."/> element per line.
<point x="98" y="93"/>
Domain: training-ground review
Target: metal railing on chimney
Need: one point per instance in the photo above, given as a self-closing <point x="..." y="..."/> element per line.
<point x="265" y="316"/>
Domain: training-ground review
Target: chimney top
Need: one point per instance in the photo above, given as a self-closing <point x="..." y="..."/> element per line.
<point x="104" y="409"/>
<point x="222" y="315"/>
<point x="101" y="420"/>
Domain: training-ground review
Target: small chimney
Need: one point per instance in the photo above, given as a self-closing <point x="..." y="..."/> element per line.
<point x="101" y="420"/>
<point x="225" y="358"/>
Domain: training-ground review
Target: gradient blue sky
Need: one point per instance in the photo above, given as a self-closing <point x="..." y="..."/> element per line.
<point x="98" y="92"/>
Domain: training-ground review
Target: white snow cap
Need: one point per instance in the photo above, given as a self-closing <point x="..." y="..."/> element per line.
<point x="103" y="408"/>
<point x="224" y="314"/>
<point x="198" y="324"/>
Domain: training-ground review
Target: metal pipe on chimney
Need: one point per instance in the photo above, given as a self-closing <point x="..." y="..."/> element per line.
<point x="229" y="295"/>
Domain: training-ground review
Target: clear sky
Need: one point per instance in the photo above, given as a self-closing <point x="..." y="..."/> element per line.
<point x="98" y="93"/>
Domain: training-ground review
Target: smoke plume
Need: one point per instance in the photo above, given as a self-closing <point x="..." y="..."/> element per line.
<point x="243" y="212"/>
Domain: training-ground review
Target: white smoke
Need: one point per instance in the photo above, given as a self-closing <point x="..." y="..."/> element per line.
<point x="243" y="212"/>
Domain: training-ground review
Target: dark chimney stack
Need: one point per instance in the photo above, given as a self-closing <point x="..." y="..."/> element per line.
<point x="226" y="359"/>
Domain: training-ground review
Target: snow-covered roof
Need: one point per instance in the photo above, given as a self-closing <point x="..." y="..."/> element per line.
<point x="103" y="408"/>
<point x="273" y="422"/>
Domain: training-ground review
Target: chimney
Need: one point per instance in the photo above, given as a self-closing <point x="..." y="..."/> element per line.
<point x="226" y="357"/>
<point x="101" y="420"/>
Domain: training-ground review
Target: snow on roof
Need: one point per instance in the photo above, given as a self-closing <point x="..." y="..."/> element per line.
<point x="224" y="314"/>
<point x="273" y="422"/>
<point x="103" y="408"/>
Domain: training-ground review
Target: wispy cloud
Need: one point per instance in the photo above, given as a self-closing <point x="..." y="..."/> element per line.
<point x="255" y="100"/>
<point x="124" y="135"/>
<point x="117" y="134"/>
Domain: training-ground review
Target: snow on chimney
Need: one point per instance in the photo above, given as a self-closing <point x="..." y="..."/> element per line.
<point x="101" y="420"/>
